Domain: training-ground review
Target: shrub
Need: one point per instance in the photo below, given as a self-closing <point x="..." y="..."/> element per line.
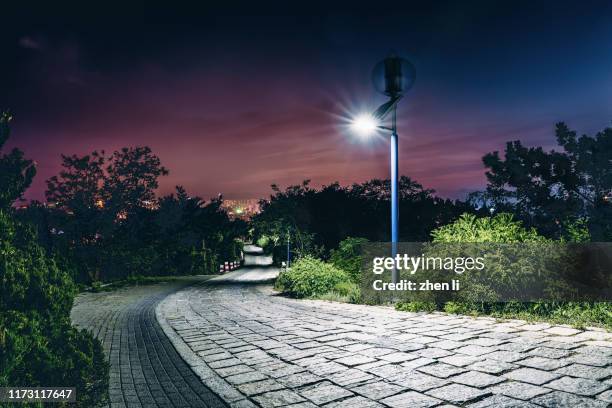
<point x="415" y="306"/>
<point x="38" y="345"/>
<point x="309" y="277"/>
<point x="348" y="257"/>
<point x="502" y="228"/>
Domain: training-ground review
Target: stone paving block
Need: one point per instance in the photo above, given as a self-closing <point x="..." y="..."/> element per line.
<point x="606" y="396"/>
<point x="324" y="392"/>
<point x="580" y="386"/>
<point x="243" y="404"/>
<point x="419" y="362"/>
<point x="543" y="363"/>
<point x="388" y="371"/>
<point x="354" y="402"/>
<point x="531" y="375"/>
<point x="398" y="357"/>
<point x="561" y="331"/>
<point x="224" y="363"/>
<point x="506" y="356"/>
<point x="558" y="399"/>
<point x="378" y="390"/>
<point x="476" y="379"/>
<point x="459" y="360"/>
<point x="350" y="377"/>
<point x="356" y="347"/>
<point x="441" y="370"/>
<point x="447" y="344"/>
<point x="299" y="379"/>
<point x="549" y="352"/>
<point x="419" y="381"/>
<point x="520" y="390"/>
<point x="278" y="398"/>
<point x="501" y="401"/>
<point x="485" y="341"/>
<point x="245" y="378"/>
<point x="475" y="351"/>
<point x="259" y="387"/>
<point x="491" y="366"/>
<point x="432" y="352"/>
<point x="457" y="393"/>
<point x="366" y="367"/>
<point x="521" y="347"/>
<point x="411" y="399"/>
<point x="325" y="369"/>
<point x="585" y="371"/>
<point x="376" y="351"/>
<point x="355" y="360"/>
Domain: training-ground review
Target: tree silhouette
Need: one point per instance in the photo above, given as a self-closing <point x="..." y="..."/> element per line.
<point x="545" y="189"/>
<point x="16" y="172"/>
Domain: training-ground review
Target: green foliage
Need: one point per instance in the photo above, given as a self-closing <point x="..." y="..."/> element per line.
<point x="348" y="257"/>
<point x="415" y="306"/>
<point x="508" y="270"/>
<point x="502" y="228"/>
<point x="109" y="225"/>
<point x="38" y="345"/>
<point x="317" y="220"/>
<point x="348" y="291"/>
<point x="543" y="188"/>
<point x="309" y="277"/>
<point x="576" y="230"/>
<point x="16" y="172"/>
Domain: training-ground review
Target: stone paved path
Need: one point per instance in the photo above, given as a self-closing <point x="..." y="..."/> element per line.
<point x="255" y="348"/>
<point x="146" y="370"/>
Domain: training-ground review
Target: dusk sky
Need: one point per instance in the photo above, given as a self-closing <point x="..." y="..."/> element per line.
<point x="233" y="103"/>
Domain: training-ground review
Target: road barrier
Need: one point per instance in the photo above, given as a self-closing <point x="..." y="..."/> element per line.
<point x="229" y="266"/>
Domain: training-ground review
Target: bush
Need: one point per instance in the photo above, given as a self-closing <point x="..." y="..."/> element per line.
<point x="348" y="257"/>
<point x="502" y="228"/>
<point x="38" y="345"/>
<point x="309" y="277"/>
<point x="415" y="306"/>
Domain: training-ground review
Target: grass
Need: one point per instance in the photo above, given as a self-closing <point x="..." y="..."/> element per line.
<point x="133" y="280"/>
<point x="577" y="314"/>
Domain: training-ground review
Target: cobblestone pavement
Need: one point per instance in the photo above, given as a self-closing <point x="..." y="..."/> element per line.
<point x="146" y="370"/>
<point x="255" y="348"/>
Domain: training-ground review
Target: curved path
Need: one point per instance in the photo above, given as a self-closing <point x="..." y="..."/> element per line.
<point x="146" y="370"/>
<point x="266" y="350"/>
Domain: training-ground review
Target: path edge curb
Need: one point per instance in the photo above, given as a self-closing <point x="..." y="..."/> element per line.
<point x="207" y="375"/>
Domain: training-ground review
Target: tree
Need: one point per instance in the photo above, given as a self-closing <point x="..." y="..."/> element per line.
<point x="316" y="220"/>
<point x="38" y="345"/>
<point x="547" y="189"/>
<point x="16" y="172"/>
<point x="95" y="196"/>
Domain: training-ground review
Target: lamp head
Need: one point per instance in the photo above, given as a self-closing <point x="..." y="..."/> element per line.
<point x="393" y="76"/>
<point x="364" y="125"/>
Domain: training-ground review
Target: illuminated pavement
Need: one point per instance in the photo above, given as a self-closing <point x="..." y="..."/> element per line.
<point x="255" y="348"/>
<point x="145" y="369"/>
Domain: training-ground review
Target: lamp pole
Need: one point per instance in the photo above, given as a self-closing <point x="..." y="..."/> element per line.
<point x="392" y="77"/>
<point x="288" y="249"/>
<point x="394" y="193"/>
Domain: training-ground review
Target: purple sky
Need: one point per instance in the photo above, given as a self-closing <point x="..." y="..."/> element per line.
<point x="235" y="110"/>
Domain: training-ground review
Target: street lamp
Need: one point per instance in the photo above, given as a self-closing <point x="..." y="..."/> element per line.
<point x="392" y="77"/>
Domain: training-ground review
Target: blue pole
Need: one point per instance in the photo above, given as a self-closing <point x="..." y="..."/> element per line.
<point x="288" y="249"/>
<point x="394" y="199"/>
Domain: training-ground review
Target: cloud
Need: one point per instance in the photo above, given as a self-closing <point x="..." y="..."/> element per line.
<point x="29" y="43"/>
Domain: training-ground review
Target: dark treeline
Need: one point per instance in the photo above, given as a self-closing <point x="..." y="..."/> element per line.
<point x="104" y="222"/>
<point x="318" y="219"/>
<point x="560" y="193"/>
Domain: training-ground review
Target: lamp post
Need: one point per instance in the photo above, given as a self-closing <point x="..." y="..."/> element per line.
<point x="392" y="77"/>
